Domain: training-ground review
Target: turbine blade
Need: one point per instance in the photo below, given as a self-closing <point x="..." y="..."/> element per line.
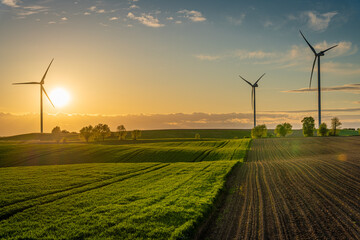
<point x="43" y="78"/>
<point x="26" y="83"/>
<point x="312" y="71"/>
<point x="259" y="79"/>
<point x="329" y="49"/>
<point x="245" y="80"/>
<point x="308" y="43"/>
<point x="47" y="95"/>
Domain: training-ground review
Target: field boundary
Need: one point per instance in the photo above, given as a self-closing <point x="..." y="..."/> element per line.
<point x="218" y="202"/>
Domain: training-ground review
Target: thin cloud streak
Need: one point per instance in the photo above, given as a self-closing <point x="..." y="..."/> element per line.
<point x="146" y="19"/>
<point x="11" y="124"/>
<point x="352" y="88"/>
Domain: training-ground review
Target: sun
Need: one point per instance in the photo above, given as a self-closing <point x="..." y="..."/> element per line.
<point x="60" y="97"/>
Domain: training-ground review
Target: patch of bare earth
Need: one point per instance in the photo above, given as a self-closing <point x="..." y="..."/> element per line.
<point x="305" y="188"/>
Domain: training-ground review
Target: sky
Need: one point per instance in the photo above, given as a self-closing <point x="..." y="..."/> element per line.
<point x="176" y="64"/>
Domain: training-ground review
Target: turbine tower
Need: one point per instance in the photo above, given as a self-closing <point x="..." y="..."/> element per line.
<point x="253" y="99"/>
<point x="42" y="90"/>
<point x="317" y="56"/>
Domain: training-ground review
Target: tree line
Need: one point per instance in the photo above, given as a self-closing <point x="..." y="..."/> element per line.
<point x="96" y="133"/>
<point x="308" y="129"/>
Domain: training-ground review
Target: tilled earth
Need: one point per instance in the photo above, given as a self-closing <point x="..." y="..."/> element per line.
<point x="293" y="188"/>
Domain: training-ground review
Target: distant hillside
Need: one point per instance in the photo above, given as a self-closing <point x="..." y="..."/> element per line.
<point x="169" y="133"/>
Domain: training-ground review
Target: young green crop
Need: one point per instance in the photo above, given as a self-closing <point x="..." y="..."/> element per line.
<point x="127" y="201"/>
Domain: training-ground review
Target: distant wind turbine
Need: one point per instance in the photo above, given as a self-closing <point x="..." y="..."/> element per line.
<point x="253" y="102"/>
<point x="317" y="56"/>
<point x="42" y="89"/>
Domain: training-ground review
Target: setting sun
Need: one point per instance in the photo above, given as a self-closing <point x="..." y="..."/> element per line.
<point x="60" y="97"/>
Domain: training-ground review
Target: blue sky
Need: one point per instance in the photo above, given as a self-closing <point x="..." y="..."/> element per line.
<point x="165" y="57"/>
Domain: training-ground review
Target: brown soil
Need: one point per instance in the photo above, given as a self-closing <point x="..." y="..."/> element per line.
<point x="306" y="188"/>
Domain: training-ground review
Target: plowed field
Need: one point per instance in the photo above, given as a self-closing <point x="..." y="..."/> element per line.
<point x="294" y="189"/>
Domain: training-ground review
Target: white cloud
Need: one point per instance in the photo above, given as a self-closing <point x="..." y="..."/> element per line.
<point x="100" y="11"/>
<point x="10" y="3"/>
<point x="178" y="22"/>
<point x="92" y="8"/>
<point x="64" y="18"/>
<point x="133" y="6"/>
<point x="207" y="57"/>
<point x="193" y="15"/>
<point x="51" y="22"/>
<point x="319" y="22"/>
<point x="146" y="19"/>
<point x="86" y="13"/>
<point x="268" y="23"/>
<point x="113" y="18"/>
<point x="170" y="18"/>
<point x="237" y="21"/>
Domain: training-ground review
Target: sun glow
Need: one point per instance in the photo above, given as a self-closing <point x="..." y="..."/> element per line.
<point x="60" y="97"/>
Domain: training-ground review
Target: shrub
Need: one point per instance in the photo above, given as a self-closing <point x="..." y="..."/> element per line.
<point x="136" y="134"/>
<point x="197" y="135"/>
<point x="56" y="134"/>
<point x="323" y="130"/>
<point x="284" y="129"/>
<point x="308" y="126"/>
<point x="259" y="131"/>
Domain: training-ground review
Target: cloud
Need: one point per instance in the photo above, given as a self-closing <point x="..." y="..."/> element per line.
<point x="319" y="22"/>
<point x="268" y="23"/>
<point x="64" y="18"/>
<point x="353" y="88"/>
<point x="113" y="18"/>
<point x="51" y="22"/>
<point x="10" y="3"/>
<point x="134" y="6"/>
<point x="86" y="13"/>
<point x="193" y="15"/>
<point x="146" y="19"/>
<point x="208" y="57"/>
<point x="178" y="22"/>
<point x="100" y="11"/>
<point x="243" y="54"/>
<point x="11" y="124"/>
<point x="236" y="21"/>
<point x="170" y="18"/>
<point x="92" y="8"/>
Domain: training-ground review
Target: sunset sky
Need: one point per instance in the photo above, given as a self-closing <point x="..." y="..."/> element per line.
<point x="175" y="64"/>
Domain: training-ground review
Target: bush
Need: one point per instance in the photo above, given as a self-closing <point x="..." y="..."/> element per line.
<point x="197" y="135"/>
<point x="284" y="129"/>
<point x="323" y="130"/>
<point x="56" y="134"/>
<point x="308" y="126"/>
<point x="259" y="131"/>
<point x="136" y="134"/>
<point x="87" y="133"/>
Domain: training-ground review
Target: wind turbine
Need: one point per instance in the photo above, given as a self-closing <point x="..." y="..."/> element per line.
<point x="253" y="102"/>
<point x="317" y="56"/>
<point x="42" y="89"/>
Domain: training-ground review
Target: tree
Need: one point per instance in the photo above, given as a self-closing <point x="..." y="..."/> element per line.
<point x="284" y="129"/>
<point x="87" y="133"/>
<point x="121" y="132"/>
<point x="136" y="134"/>
<point x="197" y="135"/>
<point x="259" y="131"/>
<point x="102" y="130"/>
<point x="323" y="130"/>
<point x="308" y="126"/>
<point x="56" y="134"/>
<point x="335" y="122"/>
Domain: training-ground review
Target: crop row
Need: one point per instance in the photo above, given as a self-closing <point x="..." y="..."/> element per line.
<point x="131" y="200"/>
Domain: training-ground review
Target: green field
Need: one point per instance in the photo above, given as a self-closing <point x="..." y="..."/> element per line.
<point x="155" y="190"/>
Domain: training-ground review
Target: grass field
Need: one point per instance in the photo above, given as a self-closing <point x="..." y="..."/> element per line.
<point x="158" y="190"/>
<point x="304" y="188"/>
<point x="14" y="154"/>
